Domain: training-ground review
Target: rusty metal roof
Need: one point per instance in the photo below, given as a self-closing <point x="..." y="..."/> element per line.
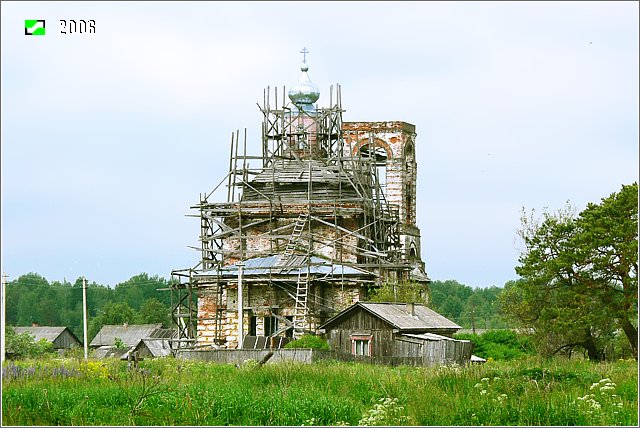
<point x="48" y="333"/>
<point x="129" y="334"/>
<point x="398" y="315"/>
<point x="292" y="266"/>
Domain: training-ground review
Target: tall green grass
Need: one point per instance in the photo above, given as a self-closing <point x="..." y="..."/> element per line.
<point x="175" y="392"/>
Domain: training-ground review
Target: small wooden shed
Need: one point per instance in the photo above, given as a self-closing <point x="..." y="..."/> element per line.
<point x="396" y="333"/>
<point x="150" y="348"/>
<point x="60" y="337"/>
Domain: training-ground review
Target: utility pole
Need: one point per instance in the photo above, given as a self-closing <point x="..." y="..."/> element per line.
<point x="473" y="321"/>
<point x="84" y="317"/>
<point x="240" y="305"/>
<point x="4" y="308"/>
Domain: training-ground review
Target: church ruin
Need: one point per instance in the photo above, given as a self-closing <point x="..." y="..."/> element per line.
<point x="292" y="236"/>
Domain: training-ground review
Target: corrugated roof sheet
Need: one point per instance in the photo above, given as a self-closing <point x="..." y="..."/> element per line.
<point x="476" y="359"/>
<point x="431" y="337"/>
<point x="164" y="333"/>
<point x="292" y="266"/>
<point x="130" y="334"/>
<point x="398" y="315"/>
<point x="48" y="333"/>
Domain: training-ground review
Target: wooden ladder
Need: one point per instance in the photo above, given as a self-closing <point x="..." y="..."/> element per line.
<point x="298" y="227"/>
<point x="300" y="314"/>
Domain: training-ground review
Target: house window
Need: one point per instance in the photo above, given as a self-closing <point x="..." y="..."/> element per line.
<point x="361" y="345"/>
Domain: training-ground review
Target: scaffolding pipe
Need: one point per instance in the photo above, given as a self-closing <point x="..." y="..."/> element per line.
<point x="240" y="305"/>
<point x="84" y="318"/>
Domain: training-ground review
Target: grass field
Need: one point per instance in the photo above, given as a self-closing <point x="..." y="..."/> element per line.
<point x="174" y="392"/>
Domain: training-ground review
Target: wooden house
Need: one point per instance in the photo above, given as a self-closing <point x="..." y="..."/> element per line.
<point x="395" y="333"/>
<point x="60" y="337"/>
<point x="130" y="335"/>
<point x="148" y="340"/>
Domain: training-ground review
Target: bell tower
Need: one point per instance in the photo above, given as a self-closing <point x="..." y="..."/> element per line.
<point x="392" y="145"/>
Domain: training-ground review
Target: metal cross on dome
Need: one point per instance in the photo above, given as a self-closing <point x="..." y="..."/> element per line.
<point x="304" y="53"/>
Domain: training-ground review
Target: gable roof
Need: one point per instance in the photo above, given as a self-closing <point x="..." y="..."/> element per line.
<point x="398" y="316"/>
<point x="157" y="347"/>
<point x="48" y="333"/>
<point x="129" y="334"/>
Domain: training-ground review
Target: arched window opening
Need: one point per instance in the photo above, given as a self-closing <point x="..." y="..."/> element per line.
<point x="413" y="254"/>
<point x="379" y="156"/>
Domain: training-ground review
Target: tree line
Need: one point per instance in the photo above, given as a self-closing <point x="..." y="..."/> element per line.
<point x="577" y="291"/>
<point x="32" y="299"/>
<point x="470" y="308"/>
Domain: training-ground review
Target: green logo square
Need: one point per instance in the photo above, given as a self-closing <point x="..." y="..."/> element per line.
<point x="34" y="27"/>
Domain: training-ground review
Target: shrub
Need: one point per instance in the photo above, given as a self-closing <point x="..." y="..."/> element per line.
<point x="499" y="344"/>
<point x="308" y="341"/>
<point x="25" y="345"/>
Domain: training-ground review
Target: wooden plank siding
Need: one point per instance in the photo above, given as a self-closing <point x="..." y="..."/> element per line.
<point x="393" y="349"/>
<point x="340" y="340"/>
<point x="59" y="337"/>
<point x="66" y="340"/>
<point x="390" y="346"/>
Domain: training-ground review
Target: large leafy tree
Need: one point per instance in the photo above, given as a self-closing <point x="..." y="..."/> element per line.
<point x="579" y="284"/>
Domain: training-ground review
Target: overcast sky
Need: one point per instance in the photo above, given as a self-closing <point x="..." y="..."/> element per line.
<point x="108" y="138"/>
